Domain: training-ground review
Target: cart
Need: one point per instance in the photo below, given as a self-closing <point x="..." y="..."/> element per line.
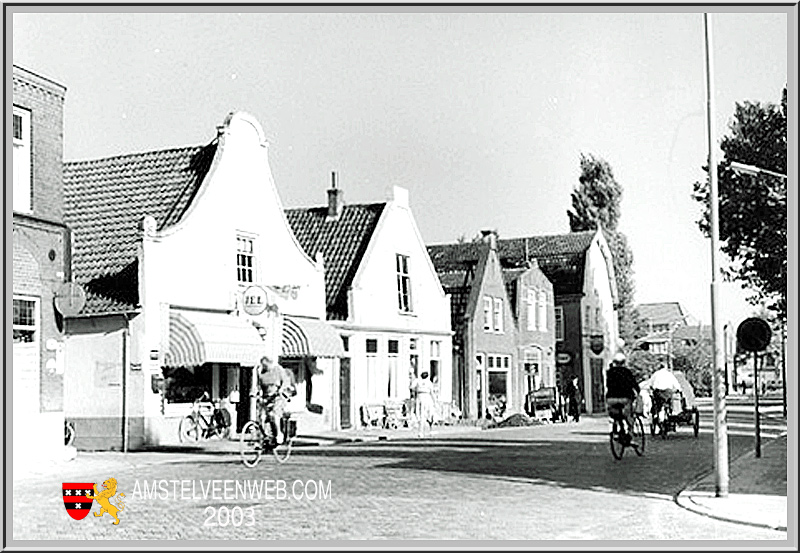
<point x="683" y="411"/>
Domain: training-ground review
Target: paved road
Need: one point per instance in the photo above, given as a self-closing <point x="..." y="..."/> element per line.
<point x="555" y="482"/>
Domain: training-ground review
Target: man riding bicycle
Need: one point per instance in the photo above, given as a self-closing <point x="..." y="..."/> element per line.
<point x="276" y="385"/>
<point x="663" y="385"/>
<point x="621" y="391"/>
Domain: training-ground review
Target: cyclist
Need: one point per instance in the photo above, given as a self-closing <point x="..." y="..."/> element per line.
<point x="663" y="385"/>
<point x="622" y="389"/>
<point x="275" y="384"/>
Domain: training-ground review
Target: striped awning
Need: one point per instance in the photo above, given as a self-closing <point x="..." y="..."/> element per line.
<point x="305" y="337"/>
<point x="197" y="337"/>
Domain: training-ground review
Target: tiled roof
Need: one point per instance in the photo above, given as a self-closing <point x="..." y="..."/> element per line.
<point x="661" y="313"/>
<point x="561" y="257"/>
<point x="105" y="200"/>
<point x="342" y="242"/>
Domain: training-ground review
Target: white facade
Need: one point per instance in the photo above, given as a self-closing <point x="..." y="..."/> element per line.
<point x="598" y="316"/>
<point x="402" y="335"/>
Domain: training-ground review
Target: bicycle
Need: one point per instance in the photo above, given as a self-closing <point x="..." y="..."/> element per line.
<point x="661" y="419"/>
<point x="620" y="439"/>
<point x="257" y="437"/>
<point x="206" y="420"/>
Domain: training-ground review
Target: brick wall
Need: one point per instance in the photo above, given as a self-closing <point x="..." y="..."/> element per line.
<point x="39" y="262"/>
<point x="45" y="100"/>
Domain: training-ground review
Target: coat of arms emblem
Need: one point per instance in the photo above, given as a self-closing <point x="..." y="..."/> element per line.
<point x="76" y="499"/>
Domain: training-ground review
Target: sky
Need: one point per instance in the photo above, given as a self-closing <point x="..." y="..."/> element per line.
<point x="483" y="117"/>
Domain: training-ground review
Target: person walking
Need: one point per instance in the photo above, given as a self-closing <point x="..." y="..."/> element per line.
<point x="423" y="389"/>
<point x="573" y="394"/>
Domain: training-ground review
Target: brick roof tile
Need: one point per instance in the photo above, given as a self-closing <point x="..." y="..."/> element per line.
<point x="342" y="242"/>
<point x="105" y="199"/>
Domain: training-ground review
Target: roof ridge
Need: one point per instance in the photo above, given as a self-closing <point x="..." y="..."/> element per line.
<point x="137" y="154"/>
<point x="345" y="206"/>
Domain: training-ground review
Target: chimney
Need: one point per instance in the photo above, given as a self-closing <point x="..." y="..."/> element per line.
<point x="335" y="199"/>
<point x="490" y="237"/>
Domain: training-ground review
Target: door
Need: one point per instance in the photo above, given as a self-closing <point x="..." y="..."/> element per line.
<point x="344" y="392"/>
<point x="243" y="407"/>
<point x="598" y="389"/>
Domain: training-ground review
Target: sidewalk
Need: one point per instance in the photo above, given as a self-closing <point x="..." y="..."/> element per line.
<point x="757" y="491"/>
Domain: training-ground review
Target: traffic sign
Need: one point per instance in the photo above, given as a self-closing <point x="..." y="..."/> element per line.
<point x="753" y="334"/>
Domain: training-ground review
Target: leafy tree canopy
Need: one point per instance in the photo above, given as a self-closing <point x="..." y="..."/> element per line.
<point x="752" y="208"/>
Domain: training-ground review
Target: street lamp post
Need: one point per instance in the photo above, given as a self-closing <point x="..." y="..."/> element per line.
<point x="720" y="426"/>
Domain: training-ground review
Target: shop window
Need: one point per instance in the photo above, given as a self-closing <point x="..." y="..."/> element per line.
<point x="413" y="359"/>
<point x="184" y="385"/>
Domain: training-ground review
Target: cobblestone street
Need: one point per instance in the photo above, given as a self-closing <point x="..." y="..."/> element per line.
<point x="555" y="482"/>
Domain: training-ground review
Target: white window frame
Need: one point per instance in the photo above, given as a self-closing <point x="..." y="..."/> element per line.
<point x="531" y="309"/>
<point x="542" y="310"/>
<point x="435" y="357"/>
<point x="404" y="299"/>
<point x="498" y="315"/>
<point x="559" y="323"/>
<point x="35" y="327"/>
<point x="487" y="314"/>
<point x="23" y="181"/>
<point x="245" y="275"/>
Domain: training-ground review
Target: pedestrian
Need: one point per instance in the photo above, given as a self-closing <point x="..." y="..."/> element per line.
<point x="423" y="389"/>
<point x="573" y="394"/>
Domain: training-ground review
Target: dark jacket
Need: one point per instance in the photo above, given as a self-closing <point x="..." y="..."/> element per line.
<point x="620" y="382"/>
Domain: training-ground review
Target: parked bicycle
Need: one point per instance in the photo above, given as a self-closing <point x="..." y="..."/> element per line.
<point x="257" y="436"/>
<point x="207" y="420"/>
<point x="622" y="437"/>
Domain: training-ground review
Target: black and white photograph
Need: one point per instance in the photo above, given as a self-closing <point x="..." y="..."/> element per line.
<point x="400" y="276"/>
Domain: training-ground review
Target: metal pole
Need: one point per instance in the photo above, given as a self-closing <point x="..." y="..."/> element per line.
<point x="783" y="365"/>
<point x="755" y="392"/>
<point x="720" y="427"/>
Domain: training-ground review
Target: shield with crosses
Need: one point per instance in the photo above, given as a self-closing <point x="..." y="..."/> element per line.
<point x="76" y="501"/>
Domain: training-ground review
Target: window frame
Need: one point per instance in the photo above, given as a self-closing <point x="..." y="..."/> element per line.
<point x="558" y="311"/>
<point x="22" y="166"/>
<point x="498" y="315"/>
<point x="488" y="325"/>
<point x="531" y="311"/>
<point x="541" y="308"/>
<point x="34" y="328"/>
<point x="243" y="237"/>
<point x="405" y="302"/>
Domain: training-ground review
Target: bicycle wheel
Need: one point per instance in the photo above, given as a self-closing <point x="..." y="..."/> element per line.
<point x="637" y="436"/>
<point x="251" y="443"/>
<point x="617" y="447"/>
<point x="283" y="450"/>
<point x="188" y="431"/>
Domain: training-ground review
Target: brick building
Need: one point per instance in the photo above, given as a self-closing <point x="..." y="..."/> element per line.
<point x="40" y="264"/>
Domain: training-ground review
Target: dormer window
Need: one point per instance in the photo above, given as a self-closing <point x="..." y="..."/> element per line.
<point x="403" y="284"/>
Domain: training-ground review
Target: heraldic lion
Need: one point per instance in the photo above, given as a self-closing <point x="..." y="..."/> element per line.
<point x="104" y="499"/>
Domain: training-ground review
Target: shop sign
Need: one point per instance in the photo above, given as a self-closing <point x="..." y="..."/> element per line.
<point x="596" y="343"/>
<point x="254" y="299"/>
<point x="563" y="358"/>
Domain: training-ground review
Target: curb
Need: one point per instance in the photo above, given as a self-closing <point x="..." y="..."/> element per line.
<point x="684" y="499"/>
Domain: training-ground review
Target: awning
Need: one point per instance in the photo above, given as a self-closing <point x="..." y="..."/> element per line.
<point x="197" y="337"/>
<point x="310" y="337"/>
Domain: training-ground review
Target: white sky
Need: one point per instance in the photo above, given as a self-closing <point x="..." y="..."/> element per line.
<point x="482" y="116"/>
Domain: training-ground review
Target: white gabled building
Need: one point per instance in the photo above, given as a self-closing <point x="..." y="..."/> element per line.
<point x="192" y="274"/>
<point x="383" y="296"/>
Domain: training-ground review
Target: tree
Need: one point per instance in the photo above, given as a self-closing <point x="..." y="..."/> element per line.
<point x="752" y="209"/>
<point x="596" y="204"/>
